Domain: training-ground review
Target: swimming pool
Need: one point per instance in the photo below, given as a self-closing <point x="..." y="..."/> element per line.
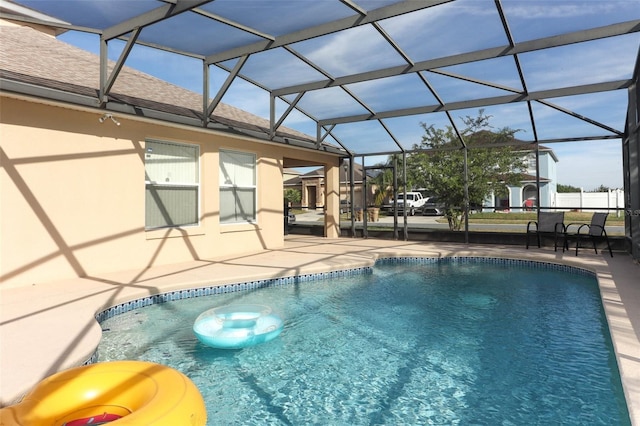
<point x="413" y="341"/>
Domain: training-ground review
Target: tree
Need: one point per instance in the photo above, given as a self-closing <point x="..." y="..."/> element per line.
<point x="438" y="164"/>
<point x="567" y="188"/>
<point x="383" y="180"/>
<point x="292" y="195"/>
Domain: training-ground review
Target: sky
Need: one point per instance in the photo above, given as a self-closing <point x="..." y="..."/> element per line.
<point x="586" y="165"/>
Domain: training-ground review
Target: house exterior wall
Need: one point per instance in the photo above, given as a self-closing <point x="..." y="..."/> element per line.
<point x="73" y="195"/>
<point x="548" y="188"/>
<point x="345" y="193"/>
<point x="358" y="195"/>
<point x="518" y="194"/>
<point x="548" y="170"/>
<point x="312" y="193"/>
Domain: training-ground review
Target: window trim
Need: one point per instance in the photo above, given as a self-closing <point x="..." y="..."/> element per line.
<point x="254" y="187"/>
<point x="197" y="185"/>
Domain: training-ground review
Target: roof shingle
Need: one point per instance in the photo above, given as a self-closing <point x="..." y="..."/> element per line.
<point x="30" y="56"/>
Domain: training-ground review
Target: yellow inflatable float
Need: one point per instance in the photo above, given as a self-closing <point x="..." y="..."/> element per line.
<point x="118" y="393"/>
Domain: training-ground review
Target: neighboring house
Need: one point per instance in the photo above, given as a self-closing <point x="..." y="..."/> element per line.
<point x="288" y="174"/>
<point x="524" y="196"/>
<point x="312" y="187"/>
<point x="85" y="193"/>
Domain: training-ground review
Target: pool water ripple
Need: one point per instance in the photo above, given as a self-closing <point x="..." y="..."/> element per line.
<point x="408" y="344"/>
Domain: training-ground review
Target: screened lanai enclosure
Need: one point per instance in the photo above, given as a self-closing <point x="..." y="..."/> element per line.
<point x="362" y="78"/>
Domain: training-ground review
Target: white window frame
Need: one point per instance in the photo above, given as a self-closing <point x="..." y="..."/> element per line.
<point x="236" y="178"/>
<point x="172" y="178"/>
<point x="531" y="162"/>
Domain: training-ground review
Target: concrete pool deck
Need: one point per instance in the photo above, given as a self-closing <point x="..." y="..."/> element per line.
<point x="48" y="327"/>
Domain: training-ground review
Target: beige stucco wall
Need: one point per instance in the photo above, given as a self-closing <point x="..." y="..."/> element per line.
<point x="73" y="195"/>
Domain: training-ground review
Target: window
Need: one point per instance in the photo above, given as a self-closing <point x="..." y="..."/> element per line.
<point x="531" y="163"/>
<point x="172" y="179"/>
<point x="237" y="187"/>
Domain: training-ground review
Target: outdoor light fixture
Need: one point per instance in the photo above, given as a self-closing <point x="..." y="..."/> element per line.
<point x="107" y="116"/>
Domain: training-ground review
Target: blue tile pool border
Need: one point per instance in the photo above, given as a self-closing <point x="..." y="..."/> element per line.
<point x="490" y="260"/>
<point x="224" y="288"/>
<point x="172" y="296"/>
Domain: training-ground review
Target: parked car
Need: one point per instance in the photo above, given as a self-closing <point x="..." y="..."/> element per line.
<point x="433" y="207"/>
<point x="414" y="202"/>
<point x="291" y="218"/>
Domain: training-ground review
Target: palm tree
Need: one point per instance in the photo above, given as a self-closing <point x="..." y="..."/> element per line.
<point x="383" y="181"/>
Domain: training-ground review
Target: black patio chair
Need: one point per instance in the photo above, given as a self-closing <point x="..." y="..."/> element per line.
<point x="594" y="231"/>
<point x="548" y="223"/>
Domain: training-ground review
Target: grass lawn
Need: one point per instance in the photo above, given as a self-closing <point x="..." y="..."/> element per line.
<point x="506" y="218"/>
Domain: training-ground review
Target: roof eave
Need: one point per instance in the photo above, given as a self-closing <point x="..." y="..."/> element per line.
<point x="138" y="112"/>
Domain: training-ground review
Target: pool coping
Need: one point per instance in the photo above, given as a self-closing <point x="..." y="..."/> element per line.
<point x="61" y="316"/>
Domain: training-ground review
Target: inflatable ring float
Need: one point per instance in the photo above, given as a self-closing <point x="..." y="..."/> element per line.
<point x="237" y="326"/>
<point x="118" y="393"/>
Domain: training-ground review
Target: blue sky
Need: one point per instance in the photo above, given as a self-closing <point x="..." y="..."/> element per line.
<point x="585" y="165"/>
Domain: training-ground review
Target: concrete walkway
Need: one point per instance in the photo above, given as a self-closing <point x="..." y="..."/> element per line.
<point x="48" y="327"/>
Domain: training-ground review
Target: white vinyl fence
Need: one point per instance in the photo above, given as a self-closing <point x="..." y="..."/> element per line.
<point x="590" y="201"/>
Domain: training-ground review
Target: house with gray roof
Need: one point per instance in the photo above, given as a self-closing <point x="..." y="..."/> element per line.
<point x="524" y="197"/>
<point x="87" y="190"/>
<point x="311" y="186"/>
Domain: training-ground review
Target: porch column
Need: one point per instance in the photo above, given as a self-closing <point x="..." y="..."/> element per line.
<point x="332" y="200"/>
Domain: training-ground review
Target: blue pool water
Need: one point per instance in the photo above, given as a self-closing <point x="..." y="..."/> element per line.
<point x="453" y="343"/>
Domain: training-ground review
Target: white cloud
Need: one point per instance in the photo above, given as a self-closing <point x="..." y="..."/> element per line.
<point x="552" y="9"/>
<point x="338" y="52"/>
<point x="581" y="63"/>
<point x="248" y="97"/>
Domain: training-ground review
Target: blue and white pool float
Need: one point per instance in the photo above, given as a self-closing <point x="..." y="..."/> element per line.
<point x="237" y="326"/>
